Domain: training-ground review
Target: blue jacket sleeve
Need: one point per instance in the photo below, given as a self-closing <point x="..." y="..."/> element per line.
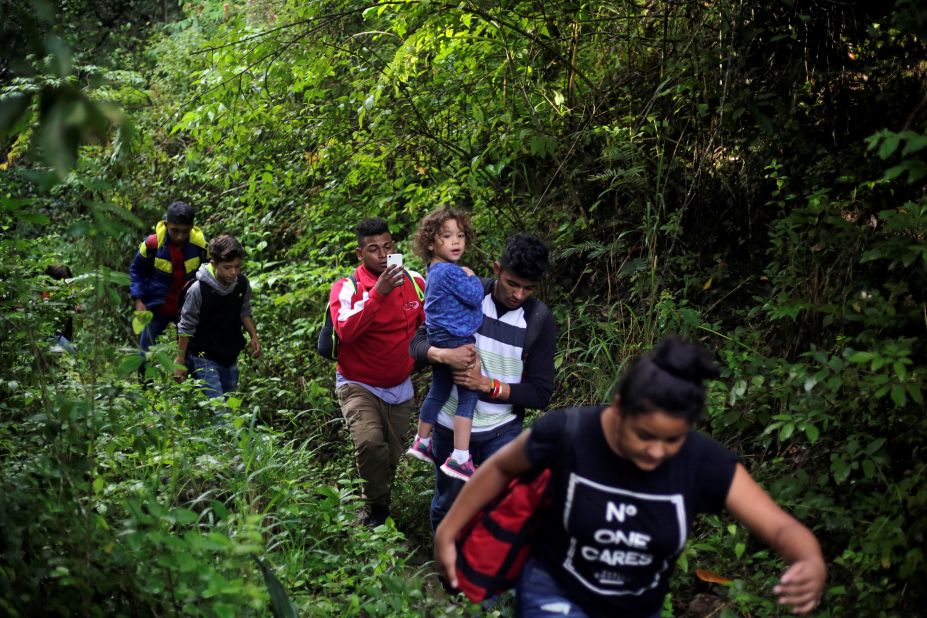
<point x="139" y="273"/>
<point x="468" y="290"/>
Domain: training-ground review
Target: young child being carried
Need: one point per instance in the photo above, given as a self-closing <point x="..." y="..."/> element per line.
<point x="453" y="313"/>
<point x="215" y="308"/>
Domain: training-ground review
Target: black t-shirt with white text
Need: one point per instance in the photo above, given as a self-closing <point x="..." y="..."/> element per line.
<point x="613" y="531"/>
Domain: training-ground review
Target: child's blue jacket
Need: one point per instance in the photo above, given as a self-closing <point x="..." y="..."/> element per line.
<point x="453" y="300"/>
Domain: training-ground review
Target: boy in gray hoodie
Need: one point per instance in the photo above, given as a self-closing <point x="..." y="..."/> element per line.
<point x="215" y="308"/>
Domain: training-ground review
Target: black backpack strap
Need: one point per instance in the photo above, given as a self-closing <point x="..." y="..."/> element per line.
<point x="182" y="296"/>
<point x="572" y="425"/>
<point x="536" y="318"/>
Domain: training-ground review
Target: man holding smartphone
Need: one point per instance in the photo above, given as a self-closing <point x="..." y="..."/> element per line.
<point x="375" y="315"/>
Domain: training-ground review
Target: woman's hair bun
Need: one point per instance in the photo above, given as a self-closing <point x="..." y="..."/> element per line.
<point x="684" y="360"/>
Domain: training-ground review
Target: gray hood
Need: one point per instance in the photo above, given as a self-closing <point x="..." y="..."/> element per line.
<point x="205" y="277"/>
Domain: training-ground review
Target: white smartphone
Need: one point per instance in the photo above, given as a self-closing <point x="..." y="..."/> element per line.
<point x="394" y="259"/>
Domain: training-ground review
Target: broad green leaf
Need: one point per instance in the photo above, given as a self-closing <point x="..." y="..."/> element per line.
<point x="915" y="142"/>
<point x="915" y="392"/>
<point x="839" y="468"/>
<point x="184" y="516"/>
<point x="860" y="357"/>
<point x="898" y="395"/>
<point x="889" y="145"/>
<point x="140" y="320"/>
<point x="129" y="364"/>
<point x="739" y="549"/>
<point x="219" y="509"/>
<point x="901" y="371"/>
<point x="812" y="432"/>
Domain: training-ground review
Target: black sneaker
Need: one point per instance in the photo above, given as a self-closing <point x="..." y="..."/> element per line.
<point x="376" y="515"/>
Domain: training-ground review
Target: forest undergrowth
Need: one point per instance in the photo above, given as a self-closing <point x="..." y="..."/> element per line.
<point x="748" y="175"/>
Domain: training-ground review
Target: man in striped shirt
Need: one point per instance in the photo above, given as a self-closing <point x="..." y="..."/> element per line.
<point x="514" y="348"/>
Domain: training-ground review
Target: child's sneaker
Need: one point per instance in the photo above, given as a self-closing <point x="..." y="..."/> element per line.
<point x="462" y="471"/>
<point x="421" y="451"/>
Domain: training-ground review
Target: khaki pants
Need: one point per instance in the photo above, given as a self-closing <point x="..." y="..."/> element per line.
<point x="380" y="432"/>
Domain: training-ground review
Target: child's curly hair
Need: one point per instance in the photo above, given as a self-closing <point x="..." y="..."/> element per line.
<point x="430" y="226"/>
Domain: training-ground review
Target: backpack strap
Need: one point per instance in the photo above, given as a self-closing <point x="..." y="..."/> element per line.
<point x="151" y="247"/>
<point x="418" y="290"/>
<point x="182" y="296"/>
<point x="570" y="434"/>
<point x="536" y="319"/>
<point x="572" y="425"/>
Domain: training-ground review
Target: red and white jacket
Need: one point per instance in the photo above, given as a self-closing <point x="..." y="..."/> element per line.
<point x="375" y="330"/>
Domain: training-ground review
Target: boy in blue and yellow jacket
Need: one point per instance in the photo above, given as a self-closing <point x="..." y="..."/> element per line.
<point x="165" y="261"/>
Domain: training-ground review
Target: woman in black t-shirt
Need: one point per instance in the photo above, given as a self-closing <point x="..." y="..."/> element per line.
<point x="628" y="480"/>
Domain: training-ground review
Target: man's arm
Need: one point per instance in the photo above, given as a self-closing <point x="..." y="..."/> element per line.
<point x="248" y="323"/>
<point x="139" y="273"/>
<point x="189" y="318"/>
<point x="424" y="353"/>
<point x="351" y="313"/>
<point x="180" y="366"/>
<point x="537" y="385"/>
<point x="190" y="312"/>
<point x="487" y="483"/>
<point x="802" y="584"/>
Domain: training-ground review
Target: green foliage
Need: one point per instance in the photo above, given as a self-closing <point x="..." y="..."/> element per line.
<point x="751" y="175"/>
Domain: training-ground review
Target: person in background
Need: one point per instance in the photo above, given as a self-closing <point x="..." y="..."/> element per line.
<point x="164" y="263"/>
<point x="625" y="491"/>
<point x="375" y="314"/>
<point x="453" y="312"/>
<point x="514" y="348"/>
<point x="215" y="309"/>
<point x="64" y="333"/>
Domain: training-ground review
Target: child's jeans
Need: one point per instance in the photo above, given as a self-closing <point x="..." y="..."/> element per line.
<point x="218" y="380"/>
<point x="442" y="380"/>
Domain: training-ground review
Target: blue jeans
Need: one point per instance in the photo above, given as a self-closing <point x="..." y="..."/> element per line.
<point x="60" y="343"/>
<point x="537" y="595"/>
<point x="442" y="379"/>
<point x="218" y="380"/>
<point x="482" y="445"/>
<point x="153" y="329"/>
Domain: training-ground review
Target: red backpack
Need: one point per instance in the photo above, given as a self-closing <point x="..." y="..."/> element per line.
<point x="494" y="545"/>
